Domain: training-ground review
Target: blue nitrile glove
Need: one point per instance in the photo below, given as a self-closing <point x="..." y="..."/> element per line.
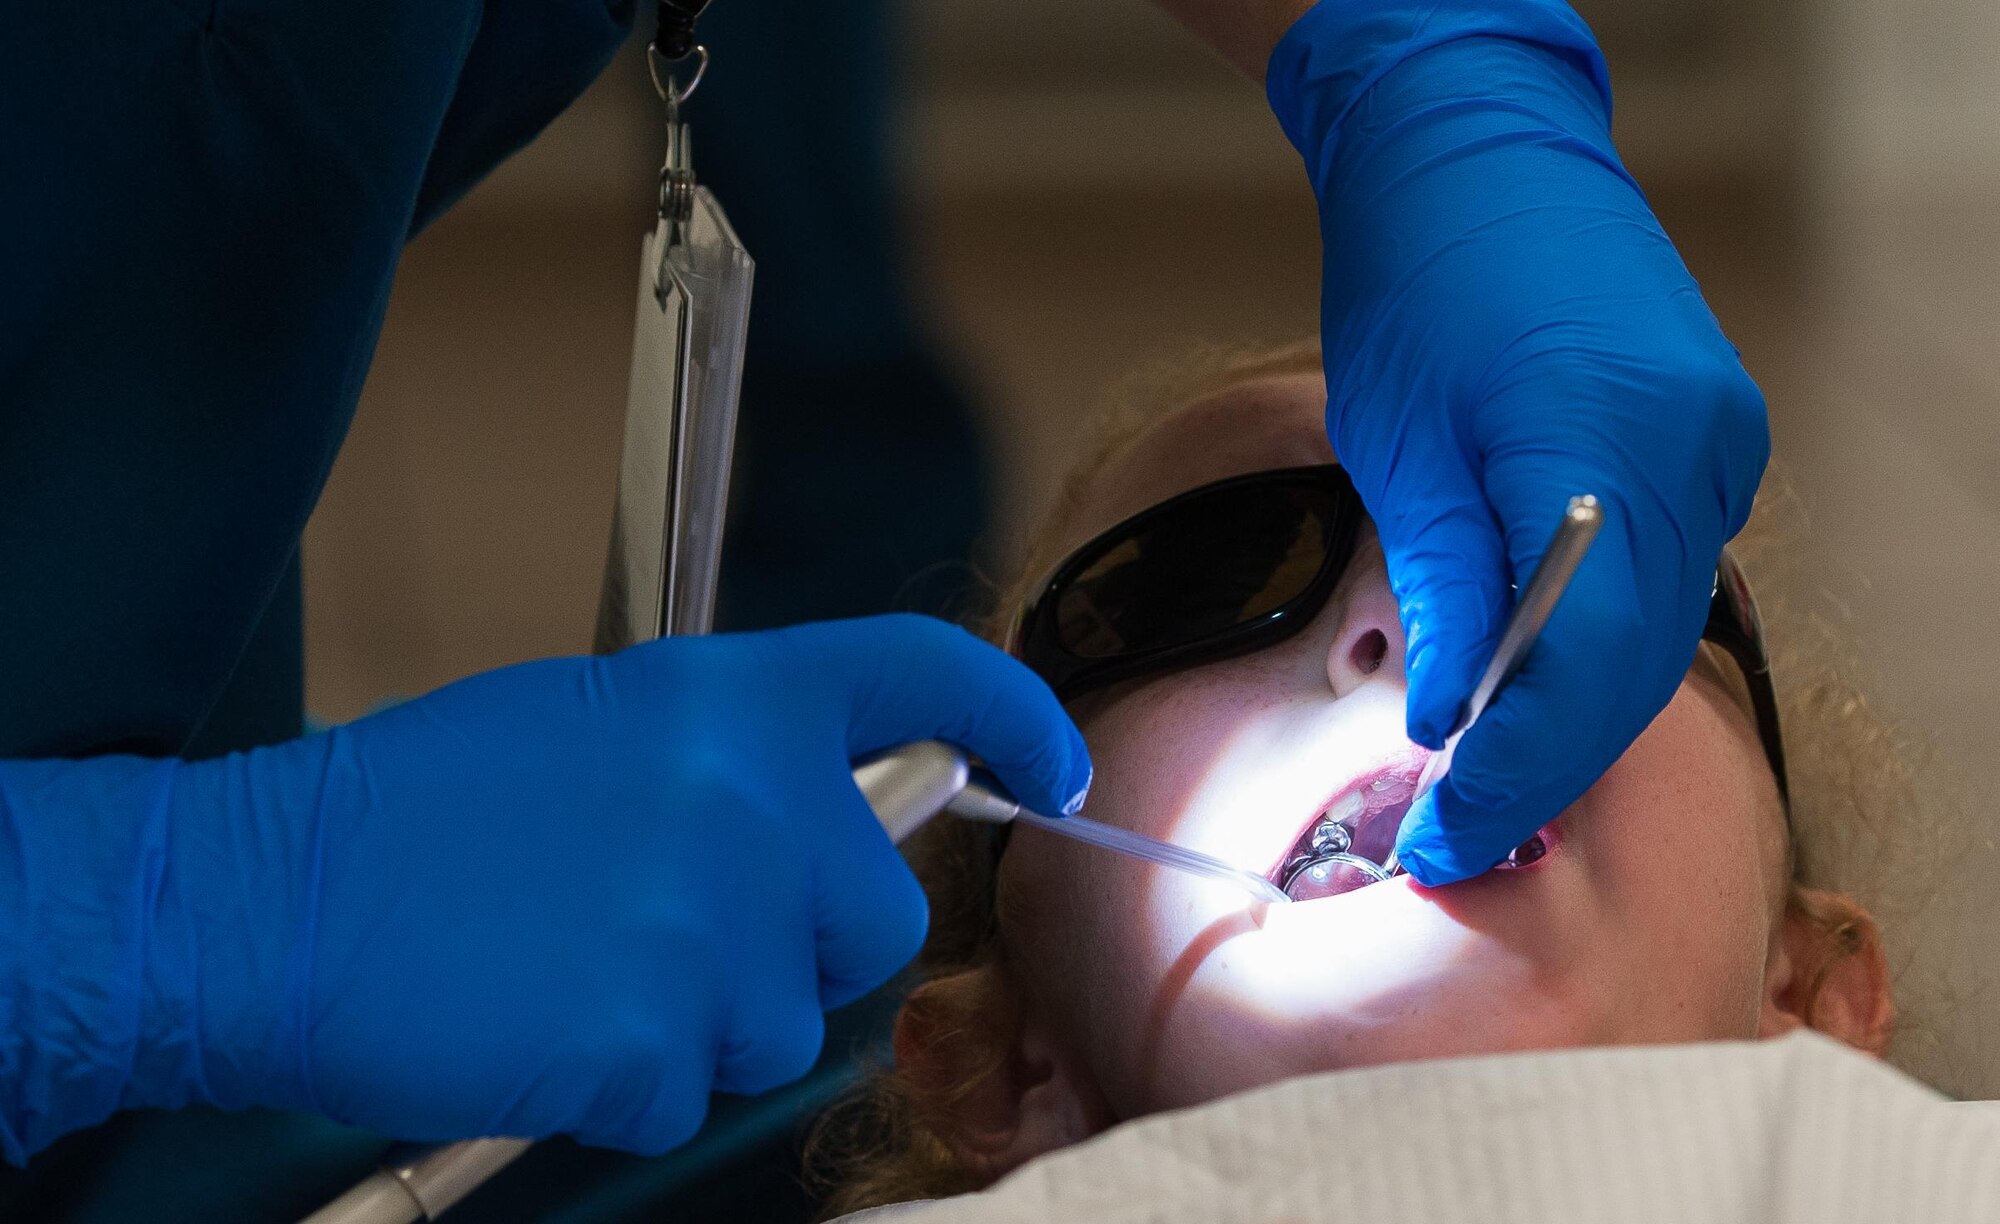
<point x="568" y="896"/>
<point x="1505" y="325"/>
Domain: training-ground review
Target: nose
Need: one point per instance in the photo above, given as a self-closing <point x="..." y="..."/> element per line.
<point x="1368" y="648"/>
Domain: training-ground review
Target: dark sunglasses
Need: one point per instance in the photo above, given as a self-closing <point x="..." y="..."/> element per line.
<point x="1245" y="563"/>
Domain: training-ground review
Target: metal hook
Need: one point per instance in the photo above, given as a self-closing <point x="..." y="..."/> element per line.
<point x="676" y="177"/>
<point x="672" y="92"/>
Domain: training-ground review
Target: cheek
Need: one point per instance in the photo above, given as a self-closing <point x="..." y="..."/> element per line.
<point x="1154" y="746"/>
<point x="1076" y="941"/>
<point x="1684" y="868"/>
<point x="1107" y="934"/>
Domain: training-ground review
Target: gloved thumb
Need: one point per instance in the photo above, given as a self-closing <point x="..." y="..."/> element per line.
<point x="1448" y="567"/>
<point x="915" y="678"/>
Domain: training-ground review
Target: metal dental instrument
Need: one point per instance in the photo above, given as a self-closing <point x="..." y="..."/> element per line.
<point x="1532" y="610"/>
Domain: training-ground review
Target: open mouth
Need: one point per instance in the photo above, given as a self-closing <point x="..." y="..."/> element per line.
<point x="1344" y="846"/>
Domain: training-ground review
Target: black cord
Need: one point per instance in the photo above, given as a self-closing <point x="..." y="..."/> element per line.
<point x="675" y="37"/>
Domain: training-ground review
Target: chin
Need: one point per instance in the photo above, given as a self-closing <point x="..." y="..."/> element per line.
<point x="1379" y="975"/>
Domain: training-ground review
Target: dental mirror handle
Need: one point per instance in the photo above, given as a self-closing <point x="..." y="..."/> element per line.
<point x="1565" y="552"/>
<point x="1580" y="522"/>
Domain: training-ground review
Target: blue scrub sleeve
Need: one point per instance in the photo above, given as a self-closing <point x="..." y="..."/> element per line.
<point x="202" y="203"/>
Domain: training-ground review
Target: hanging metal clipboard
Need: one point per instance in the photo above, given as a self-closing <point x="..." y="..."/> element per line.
<point x="688" y="333"/>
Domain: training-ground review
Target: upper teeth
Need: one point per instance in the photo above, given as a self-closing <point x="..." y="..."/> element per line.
<point x="1346" y="808"/>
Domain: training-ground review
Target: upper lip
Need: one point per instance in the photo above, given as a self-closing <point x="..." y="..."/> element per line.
<point x="1388" y="788"/>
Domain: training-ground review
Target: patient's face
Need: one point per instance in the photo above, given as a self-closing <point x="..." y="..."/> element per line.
<point x="1650" y="918"/>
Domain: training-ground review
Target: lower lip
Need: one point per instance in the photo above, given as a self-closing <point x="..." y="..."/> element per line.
<point x="1533" y="852"/>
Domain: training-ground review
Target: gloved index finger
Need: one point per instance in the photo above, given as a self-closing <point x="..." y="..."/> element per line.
<point x="918" y="678"/>
<point x="907" y="678"/>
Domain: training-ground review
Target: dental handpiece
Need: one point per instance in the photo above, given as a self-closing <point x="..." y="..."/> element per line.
<point x="906" y="787"/>
<point x="1532" y="610"/>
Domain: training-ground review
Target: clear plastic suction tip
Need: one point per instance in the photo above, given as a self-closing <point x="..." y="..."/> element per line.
<point x="1138" y="845"/>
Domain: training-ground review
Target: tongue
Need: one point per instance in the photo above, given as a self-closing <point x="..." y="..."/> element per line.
<point x="1376" y="834"/>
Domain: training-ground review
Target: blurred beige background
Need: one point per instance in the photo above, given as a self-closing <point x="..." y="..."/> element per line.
<point x="1087" y="188"/>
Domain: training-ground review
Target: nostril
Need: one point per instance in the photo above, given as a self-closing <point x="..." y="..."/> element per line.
<point x="1368" y="652"/>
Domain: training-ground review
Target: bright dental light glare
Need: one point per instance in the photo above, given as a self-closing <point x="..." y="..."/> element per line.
<point x="1316" y="819"/>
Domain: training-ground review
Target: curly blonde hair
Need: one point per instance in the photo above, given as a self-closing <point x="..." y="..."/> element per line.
<point x="1850" y="776"/>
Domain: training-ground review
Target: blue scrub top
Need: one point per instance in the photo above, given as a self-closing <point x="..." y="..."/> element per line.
<point x="202" y="203"/>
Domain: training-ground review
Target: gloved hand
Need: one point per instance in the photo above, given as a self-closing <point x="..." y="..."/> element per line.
<point x="568" y="896"/>
<point x="1505" y="325"/>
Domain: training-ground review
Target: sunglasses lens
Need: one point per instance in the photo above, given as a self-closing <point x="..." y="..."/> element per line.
<point x="1197" y="570"/>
